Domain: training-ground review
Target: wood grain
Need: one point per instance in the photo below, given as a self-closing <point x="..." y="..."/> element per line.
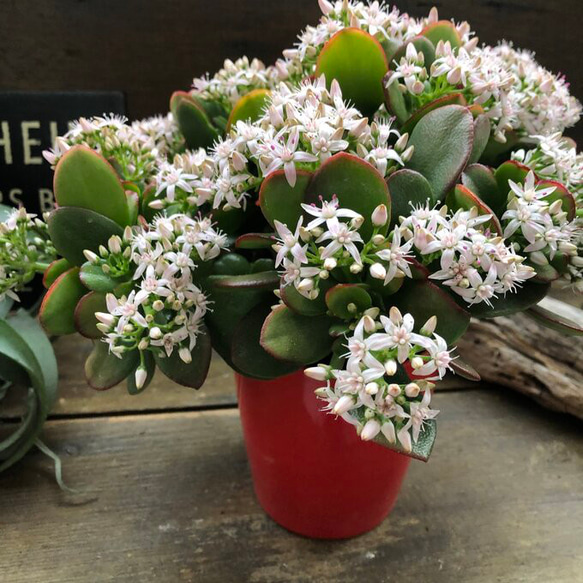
<point x="149" y="48"/>
<point x="500" y="501"/>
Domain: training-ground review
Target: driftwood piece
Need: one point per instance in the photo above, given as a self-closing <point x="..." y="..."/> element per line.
<point x="521" y="354"/>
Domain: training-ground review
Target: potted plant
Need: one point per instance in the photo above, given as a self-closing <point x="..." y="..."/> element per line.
<point x="329" y="225"/>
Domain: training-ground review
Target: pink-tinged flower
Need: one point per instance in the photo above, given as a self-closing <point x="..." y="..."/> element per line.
<point x="523" y="216"/>
<point x="286" y="156"/>
<point x="358" y="350"/>
<point x="329" y="211"/>
<point x="341" y="237"/>
<point x="290" y="243"/>
<point x="397" y="256"/>
<point x="529" y="192"/>
<point x="420" y="412"/>
<point x="448" y="241"/>
<point x="439" y="359"/>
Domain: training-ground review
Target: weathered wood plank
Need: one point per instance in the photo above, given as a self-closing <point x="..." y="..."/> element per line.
<point x="77" y="398"/>
<point x="501" y="500"/>
<point x="90" y="46"/>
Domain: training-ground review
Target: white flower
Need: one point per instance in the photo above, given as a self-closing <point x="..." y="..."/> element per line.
<point x="289" y="243"/>
<point x="327" y="213"/>
<point x="397" y="256"/>
<point x="341" y="237"/>
<point x="420" y="412"/>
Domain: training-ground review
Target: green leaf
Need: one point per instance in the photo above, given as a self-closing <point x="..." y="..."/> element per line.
<point x="406" y="188"/>
<point x="300" y="339"/>
<point x="300" y="304"/>
<point x="358" y="62"/>
<point x="394" y="98"/>
<point x="443" y="142"/>
<point x="561" y="193"/>
<point x="73" y="230"/>
<point x="194" y="373"/>
<point x="5" y="307"/>
<point x="510" y="170"/>
<point x="481" y="181"/>
<point x="443" y="30"/>
<point x="192" y="121"/>
<point x="255" y="241"/>
<point x="422" y="449"/>
<point x="423" y="299"/>
<point x="465" y="370"/>
<point x="530" y="294"/>
<point x="85" y="179"/>
<point x="57" y="310"/>
<point x="343" y="296"/>
<point x="248" y="357"/>
<point x="266" y="280"/>
<point x="451" y="99"/>
<point x="56" y="268"/>
<point x="85" y="320"/>
<point x="262" y="265"/>
<point x="279" y="201"/>
<point x="463" y="198"/>
<point x="231" y="220"/>
<point x="231" y="264"/>
<point x="420" y="43"/>
<point x="558" y="316"/>
<point x="104" y="370"/>
<point x="150" y="365"/>
<point x="481" y="137"/>
<point x="249" y="107"/>
<point x="93" y="278"/>
<point x="356" y="184"/>
<point x="133" y="206"/>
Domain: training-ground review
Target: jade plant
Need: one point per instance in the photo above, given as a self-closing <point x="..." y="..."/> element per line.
<point x="346" y="211"/>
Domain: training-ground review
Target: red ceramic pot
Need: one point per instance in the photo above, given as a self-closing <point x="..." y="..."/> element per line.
<point x="312" y="474"/>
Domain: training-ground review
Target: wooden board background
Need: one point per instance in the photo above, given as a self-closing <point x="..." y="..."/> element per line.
<point x="148" y="48"/>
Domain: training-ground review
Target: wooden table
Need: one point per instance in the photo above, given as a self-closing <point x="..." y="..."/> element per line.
<point x="167" y="496"/>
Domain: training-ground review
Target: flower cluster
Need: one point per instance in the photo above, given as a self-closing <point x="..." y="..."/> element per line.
<point x="300" y="130"/>
<point x="536" y="225"/>
<point x="25" y="250"/>
<point x="369" y="393"/>
<point x="233" y="81"/>
<point x="163" y="309"/>
<point x="555" y="157"/>
<point x="134" y="149"/>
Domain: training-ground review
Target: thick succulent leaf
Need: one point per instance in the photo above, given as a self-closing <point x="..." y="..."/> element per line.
<point x="344" y="296"/>
<point x="465" y="370"/>
<point x="423" y="299"/>
<point x="545" y="273"/>
<point x="463" y="198"/>
<point x="280" y="201"/>
<point x="230" y="221"/>
<point x="294" y="300"/>
<point x="247" y="355"/>
<point x="194" y="373"/>
<point x="558" y="316"/>
<point x="5" y="307"/>
<point x="262" y="264"/>
<point x="57" y="310"/>
<point x="231" y="264"/>
<point x="355" y="182"/>
<point x="104" y="370"/>
<point x="406" y="188"/>
<point x="530" y="294"/>
<point x="149" y="364"/>
<point x="93" y="278"/>
<point x="300" y="339"/>
<point x="451" y="99"/>
<point x="73" y="230"/>
<point x="481" y="137"/>
<point x="133" y="206"/>
<point x="192" y="121"/>
<point x="561" y="193"/>
<point x="394" y="99"/>
<point x="443" y="30"/>
<point x="510" y="170"/>
<point x="358" y="62"/>
<point x="85" y="179"/>
<point x="249" y="107"/>
<point x="85" y="320"/>
<point x="266" y="280"/>
<point x="255" y="241"/>
<point x="443" y="142"/>
<point x="481" y="181"/>
<point x="148" y="196"/>
<point x="421" y="43"/>
<point x="422" y="449"/>
<point x="56" y="268"/>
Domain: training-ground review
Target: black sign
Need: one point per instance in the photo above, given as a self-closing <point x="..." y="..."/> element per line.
<point x="29" y="123"/>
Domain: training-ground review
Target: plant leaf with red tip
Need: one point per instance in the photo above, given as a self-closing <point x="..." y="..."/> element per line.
<point x="481" y="181"/>
<point x="266" y="280"/>
<point x="56" y="268"/>
<point x="282" y="202"/>
<point x="463" y="198"/>
<point x="192" y="121"/>
<point x="249" y="107"/>
<point x="255" y="241"/>
<point x="85" y="320"/>
<point x="443" y="30"/>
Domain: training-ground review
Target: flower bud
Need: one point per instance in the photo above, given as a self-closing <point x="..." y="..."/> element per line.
<point x="371" y="388"/>
<point x="321" y="393"/>
<point x="355" y="268"/>
<point x="538" y="258"/>
<point x="380" y="216"/>
<point x="416" y="362"/>
<point x="323" y="274"/>
<point x="394" y="390"/>
<point x="378" y="240"/>
<point x="114" y="244"/>
<point x="330" y="263"/>
<point x="344" y="404"/>
<point x="412" y="390"/>
<point x="429" y="327"/>
<point x="158" y="305"/>
<point x="378" y="271"/>
<point x="556" y="207"/>
<point x="317" y="232"/>
<point x="391" y="367"/>
<point x="401" y="143"/>
<point x="106" y="318"/>
<point x="406" y="155"/>
<point x="141" y="377"/>
<point x="143" y="344"/>
<point x="103" y="327"/>
<point x="318" y="373"/>
<point x="90" y="256"/>
<point x="305" y="285"/>
<point x="356" y="222"/>
<point x="369" y="324"/>
<point x="395" y="316"/>
<point x="156" y="333"/>
<point x="185" y="355"/>
<point x="370" y="430"/>
<point x="325" y="6"/>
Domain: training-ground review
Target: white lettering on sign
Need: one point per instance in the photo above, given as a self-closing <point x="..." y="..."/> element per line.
<point x="5" y="142"/>
<point x="28" y="142"/>
<point x="46" y="200"/>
